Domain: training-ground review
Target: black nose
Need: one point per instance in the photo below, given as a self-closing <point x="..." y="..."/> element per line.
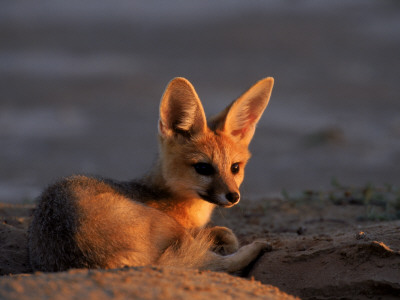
<point x="232" y="197"/>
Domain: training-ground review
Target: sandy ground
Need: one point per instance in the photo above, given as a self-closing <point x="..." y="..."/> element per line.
<point x="322" y="249"/>
<point x="136" y="283"/>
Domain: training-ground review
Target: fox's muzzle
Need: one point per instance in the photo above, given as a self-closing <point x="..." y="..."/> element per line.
<point x="233" y="197"/>
<point x="227" y="200"/>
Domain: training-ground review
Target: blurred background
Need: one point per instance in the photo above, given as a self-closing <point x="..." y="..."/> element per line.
<point x="81" y="81"/>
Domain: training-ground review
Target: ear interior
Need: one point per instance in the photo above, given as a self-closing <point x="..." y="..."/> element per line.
<point x="181" y="111"/>
<point x="241" y="117"/>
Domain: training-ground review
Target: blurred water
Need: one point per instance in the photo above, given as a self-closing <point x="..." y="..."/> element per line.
<point x="81" y="81"/>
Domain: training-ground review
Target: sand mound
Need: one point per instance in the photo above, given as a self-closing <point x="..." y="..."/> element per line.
<point x="135" y="283"/>
<point x="352" y="265"/>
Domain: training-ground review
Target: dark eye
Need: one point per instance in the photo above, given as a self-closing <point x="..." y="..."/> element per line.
<point x="204" y="169"/>
<point x="235" y="168"/>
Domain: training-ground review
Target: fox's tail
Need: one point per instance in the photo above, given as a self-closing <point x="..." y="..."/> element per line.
<point x="194" y="252"/>
<point x="190" y="252"/>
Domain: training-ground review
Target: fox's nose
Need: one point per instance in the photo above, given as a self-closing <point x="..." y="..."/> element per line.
<point x="232" y="197"/>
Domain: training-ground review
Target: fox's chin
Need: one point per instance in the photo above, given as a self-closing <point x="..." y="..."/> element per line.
<point x="216" y="200"/>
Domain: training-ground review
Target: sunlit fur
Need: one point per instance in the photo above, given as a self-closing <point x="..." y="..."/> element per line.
<point x="176" y="171"/>
<point x="93" y="222"/>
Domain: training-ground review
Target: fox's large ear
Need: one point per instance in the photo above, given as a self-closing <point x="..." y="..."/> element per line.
<point x="241" y="117"/>
<point x="181" y="111"/>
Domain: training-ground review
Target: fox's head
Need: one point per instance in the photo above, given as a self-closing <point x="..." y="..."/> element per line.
<point x="206" y="160"/>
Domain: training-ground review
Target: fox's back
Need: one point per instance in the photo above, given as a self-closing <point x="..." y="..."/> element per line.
<point x="83" y="222"/>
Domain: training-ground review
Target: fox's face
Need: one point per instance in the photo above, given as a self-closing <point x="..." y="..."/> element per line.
<point x="209" y="166"/>
<point x="207" y="160"/>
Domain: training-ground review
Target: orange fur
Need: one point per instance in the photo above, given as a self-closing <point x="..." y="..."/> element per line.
<point x="177" y="172"/>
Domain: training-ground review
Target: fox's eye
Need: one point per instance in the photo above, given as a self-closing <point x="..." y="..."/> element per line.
<point x="235" y="168"/>
<point x="204" y="169"/>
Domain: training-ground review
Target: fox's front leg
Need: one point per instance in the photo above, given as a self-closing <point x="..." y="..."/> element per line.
<point x="225" y="241"/>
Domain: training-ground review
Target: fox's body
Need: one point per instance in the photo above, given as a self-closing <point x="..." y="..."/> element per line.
<point x="100" y="223"/>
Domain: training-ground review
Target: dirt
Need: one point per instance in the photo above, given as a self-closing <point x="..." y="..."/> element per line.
<point x="136" y="283"/>
<point x="320" y="250"/>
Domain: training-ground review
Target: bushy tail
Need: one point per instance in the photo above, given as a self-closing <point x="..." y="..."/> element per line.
<point x="190" y="252"/>
<point x="194" y="252"/>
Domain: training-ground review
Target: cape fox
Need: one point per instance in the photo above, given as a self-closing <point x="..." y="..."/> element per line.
<point x="90" y="222"/>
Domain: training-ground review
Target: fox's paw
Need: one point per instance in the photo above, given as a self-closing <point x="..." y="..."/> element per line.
<point x="225" y="241"/>
<point x="262" y="245"/>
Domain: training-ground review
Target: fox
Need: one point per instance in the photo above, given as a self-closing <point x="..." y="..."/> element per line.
<point x="161" y="219"/>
